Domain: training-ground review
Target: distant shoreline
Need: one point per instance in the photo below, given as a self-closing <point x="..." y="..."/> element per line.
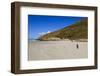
<point x="75" y="40"/>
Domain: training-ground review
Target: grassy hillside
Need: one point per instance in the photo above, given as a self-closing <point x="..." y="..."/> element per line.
<point x="78" y="30"/>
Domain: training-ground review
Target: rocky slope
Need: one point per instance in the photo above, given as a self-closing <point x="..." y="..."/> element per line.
<point x="78" y="30"/>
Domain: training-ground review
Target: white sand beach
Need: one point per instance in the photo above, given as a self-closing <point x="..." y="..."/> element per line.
<point x="49" y="50"/>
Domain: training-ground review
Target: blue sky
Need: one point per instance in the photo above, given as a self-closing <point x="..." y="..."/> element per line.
<point x="42" y="24"/>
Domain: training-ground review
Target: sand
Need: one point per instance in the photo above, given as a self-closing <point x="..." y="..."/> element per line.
<point x="49" y="50"/>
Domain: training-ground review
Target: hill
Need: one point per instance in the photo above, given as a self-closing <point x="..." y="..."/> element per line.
<point x="78" y="30"/>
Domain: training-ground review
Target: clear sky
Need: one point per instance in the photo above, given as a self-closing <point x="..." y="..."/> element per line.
<point x="42" y="24"/>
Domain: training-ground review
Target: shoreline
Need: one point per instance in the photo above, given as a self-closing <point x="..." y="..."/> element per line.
<point x="77" y="40"/>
